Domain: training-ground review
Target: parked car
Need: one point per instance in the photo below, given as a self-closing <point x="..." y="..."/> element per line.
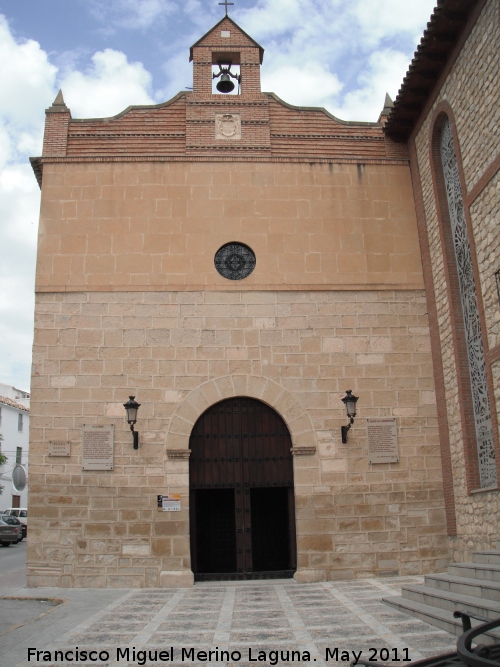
<point x="14" y="521"/>
<point x="21" y="513"/>
<point x="9" y="534"/>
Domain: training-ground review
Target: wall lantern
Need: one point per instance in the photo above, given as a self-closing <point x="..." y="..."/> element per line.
<point x="131" y="406"/>
<point x="350" y="405"/>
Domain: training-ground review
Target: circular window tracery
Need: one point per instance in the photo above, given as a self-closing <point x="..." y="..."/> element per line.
<point x="235" y="261"/>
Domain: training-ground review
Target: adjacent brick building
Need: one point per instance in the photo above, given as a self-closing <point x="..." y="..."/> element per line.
<point x="322" y="218"/>
<point x="459" y="230"/>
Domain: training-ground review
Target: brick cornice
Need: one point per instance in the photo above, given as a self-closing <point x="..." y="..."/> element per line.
<point x="49" y="159"/>
<point x="348" y="287"/>
<point x="38" y="162"/>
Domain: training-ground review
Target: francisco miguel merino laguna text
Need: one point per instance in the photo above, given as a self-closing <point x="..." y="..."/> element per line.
<point x="141" y="656"/>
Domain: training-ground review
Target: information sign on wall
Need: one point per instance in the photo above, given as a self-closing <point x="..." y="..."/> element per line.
<point x="382" y="438"/>
<point x="59" y="448"/>
<point x="171" y="503"/>
<point x="97" y="447"/>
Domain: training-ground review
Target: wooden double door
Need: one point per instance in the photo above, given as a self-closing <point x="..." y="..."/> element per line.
<point x="242" y="510"/>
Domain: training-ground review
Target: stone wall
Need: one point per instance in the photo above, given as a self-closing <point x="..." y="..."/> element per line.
<point x="158" y="225"/>
<point x="179" y="352"/>
<point x="486" y="224"/>
<point x="471" y="89"/>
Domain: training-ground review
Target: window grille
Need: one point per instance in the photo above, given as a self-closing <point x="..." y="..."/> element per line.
<point x="19" y="455"/>
<point x="20" y="421"/>
<point x="472" y="323"/>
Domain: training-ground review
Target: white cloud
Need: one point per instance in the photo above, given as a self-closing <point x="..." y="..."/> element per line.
<point x="180" y="76"/>
<point x="5" y="146"/>
<point x="311" y="85"/>
<point x="132" y="14"/>
<point x="27" y="79"/>
<point x="108" y="87"/>
<point x="379" y="19"/>
<point x="19" y="205"/>
<point x="28" y="83"/>
<point x="384" y="73"/>
<point x="274" y="17"/>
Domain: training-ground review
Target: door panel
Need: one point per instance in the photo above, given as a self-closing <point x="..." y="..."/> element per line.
<point x="243" y="445"/>
<point x="270" y="529"/>
<point x="215" y="531"/>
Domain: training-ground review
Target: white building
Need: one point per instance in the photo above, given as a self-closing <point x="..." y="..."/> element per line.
<point x="14" y="427"/>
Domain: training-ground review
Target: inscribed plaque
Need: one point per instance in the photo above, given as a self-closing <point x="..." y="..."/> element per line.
<point x="97" y="447"/>
<point x="59" y="448"/>
<point x="382" y="438"/>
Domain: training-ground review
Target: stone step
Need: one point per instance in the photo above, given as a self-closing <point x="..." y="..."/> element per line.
<point x="473" y="587"/>
<point x="435" y="616"/>
<point x="487" y="590"/>
<point x="438" y="617"/>
<point x="487" y="557"/>
<point x="483" y="572"/>
<point x="449" y="601"/>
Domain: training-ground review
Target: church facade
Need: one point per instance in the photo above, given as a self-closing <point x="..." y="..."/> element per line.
<point x="237" y="264"/>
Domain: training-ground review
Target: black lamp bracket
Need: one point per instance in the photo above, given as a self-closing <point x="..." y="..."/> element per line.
<point x="345" y="430"/>
<point x="135" y="435"/>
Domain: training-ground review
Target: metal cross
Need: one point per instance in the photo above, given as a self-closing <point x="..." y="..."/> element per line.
<point x="226" y="3"/>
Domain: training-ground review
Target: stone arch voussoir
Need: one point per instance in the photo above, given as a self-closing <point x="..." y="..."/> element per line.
<point x="288" y="405"/>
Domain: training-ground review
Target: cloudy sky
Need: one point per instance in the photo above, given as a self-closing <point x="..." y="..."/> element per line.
<point x="107" y="54"/>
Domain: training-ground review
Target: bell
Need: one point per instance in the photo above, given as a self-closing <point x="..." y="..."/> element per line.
<point x="225" y="85"/>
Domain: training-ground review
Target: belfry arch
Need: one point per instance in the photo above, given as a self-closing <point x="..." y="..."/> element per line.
<point x="242" y="510"/>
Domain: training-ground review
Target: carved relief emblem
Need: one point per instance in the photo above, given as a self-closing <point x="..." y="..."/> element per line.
<point x="227" y="126"/>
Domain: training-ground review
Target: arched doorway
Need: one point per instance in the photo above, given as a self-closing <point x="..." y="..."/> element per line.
<point x="242" y="510"/>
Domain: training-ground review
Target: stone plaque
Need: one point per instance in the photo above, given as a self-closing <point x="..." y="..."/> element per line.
<point x="59" y="448"/>
<point x="382" y="438"/>
<point x="228" y="126"/>
<point x="97" y="447"/>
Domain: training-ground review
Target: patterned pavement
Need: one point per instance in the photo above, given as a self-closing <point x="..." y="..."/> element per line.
<point x="258" y="623"/>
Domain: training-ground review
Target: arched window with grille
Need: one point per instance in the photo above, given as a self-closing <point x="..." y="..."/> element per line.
<point x="472" y="328"/>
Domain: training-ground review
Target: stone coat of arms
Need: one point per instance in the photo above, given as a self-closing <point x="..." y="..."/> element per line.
<point x="227" y="126"/>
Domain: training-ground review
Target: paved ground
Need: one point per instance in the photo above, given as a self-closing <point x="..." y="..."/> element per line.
<point x="12" y="568"/>
<point x="13" y="557"/>
<point x="244" y="618"/>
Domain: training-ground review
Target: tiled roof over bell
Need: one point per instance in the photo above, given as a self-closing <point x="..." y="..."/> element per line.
<point x="226" y="20"/>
